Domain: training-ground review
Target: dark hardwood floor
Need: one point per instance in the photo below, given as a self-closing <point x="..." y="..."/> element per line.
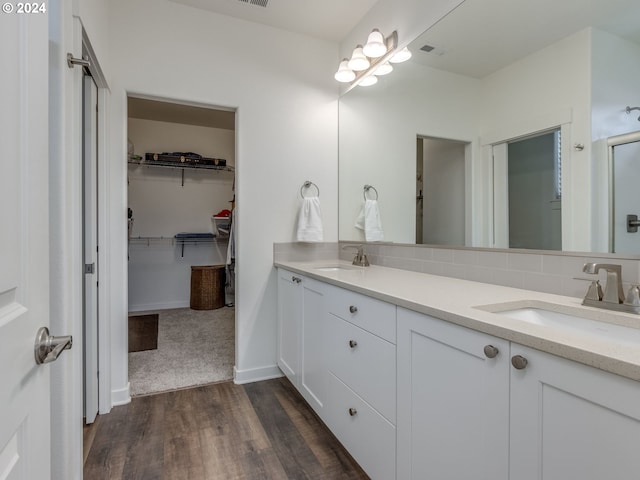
<point x="262" y="430"/>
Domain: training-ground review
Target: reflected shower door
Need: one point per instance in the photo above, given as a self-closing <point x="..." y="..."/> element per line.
<point x="626" y="196"/>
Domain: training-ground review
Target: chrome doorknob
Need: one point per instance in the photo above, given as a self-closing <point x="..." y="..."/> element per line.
<point x="48" y="348"/>
<point x="519" y="362"/>
<point x="490" y="351"/>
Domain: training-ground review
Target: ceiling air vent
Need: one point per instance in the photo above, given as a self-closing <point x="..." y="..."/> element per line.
<point x="260" y="3"/>
<point x="433" y="50"/>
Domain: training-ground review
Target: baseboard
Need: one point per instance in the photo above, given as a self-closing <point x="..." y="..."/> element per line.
<point x="256" y="374"/>
<point x="159" y="306"/>
<point x="121" y="396"/>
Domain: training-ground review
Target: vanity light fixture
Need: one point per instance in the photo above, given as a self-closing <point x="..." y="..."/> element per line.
<point x="372" y="60"/>
<point x="368" y="81"/>
<point x="358" y="61"/>
<point x="344" y="73"/>
<point x="375" y="46"/>
<point x="384" y="69"/>
<point x="401" y="56"/>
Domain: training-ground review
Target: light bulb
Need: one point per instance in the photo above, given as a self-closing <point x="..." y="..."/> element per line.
<point x="358" y="61"/>
<point x="344" y="73"/>
<point x="375" y="46"/>
<point x="401" y="56"/>
<point x="368" y="81"/>
<point x="384" y="68"/>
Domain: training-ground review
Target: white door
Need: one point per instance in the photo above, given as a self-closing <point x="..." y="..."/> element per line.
<point x="24" y="245"/>
<point x="626" y="178"/>
<point x="90" y="209"/>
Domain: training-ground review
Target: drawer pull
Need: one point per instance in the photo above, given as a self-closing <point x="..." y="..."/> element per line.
<point x="296" y="279"/>
<point x="519" y="362"/>
<point x="353" y="412"/>
<point x="353" y="309"/>
<point x="490" y="351"/>
<point x="353" y="343"/>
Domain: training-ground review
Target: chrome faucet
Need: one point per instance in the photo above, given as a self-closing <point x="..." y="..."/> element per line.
<point x="360" y="259"/>
<point x="613" y="288"/>
<point x="613" y="297"/>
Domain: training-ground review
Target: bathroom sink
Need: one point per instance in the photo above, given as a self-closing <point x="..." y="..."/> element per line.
<point x="571" y="320"/>
<point x="337" y="268"/>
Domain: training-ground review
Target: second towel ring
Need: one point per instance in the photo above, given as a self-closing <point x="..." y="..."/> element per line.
<point x="366" y="189"/>
<point x="308" y="184"/>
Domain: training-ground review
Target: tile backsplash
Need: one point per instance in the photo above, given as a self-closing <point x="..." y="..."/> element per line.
<point x="550" y="272"/>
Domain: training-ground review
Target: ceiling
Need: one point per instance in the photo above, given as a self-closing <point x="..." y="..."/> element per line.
<point x="326" y="19"/>
<point x="482" y="36"/>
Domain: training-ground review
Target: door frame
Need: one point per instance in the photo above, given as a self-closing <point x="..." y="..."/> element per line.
<point x="66" y="271"/>
<point x="562" y="119"/>
<point x="613" y="142"/>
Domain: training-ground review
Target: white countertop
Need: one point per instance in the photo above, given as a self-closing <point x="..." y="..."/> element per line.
<point x="454" y="300"/>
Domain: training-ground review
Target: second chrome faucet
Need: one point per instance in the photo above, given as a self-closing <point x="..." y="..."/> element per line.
<point x="613" y="297"/>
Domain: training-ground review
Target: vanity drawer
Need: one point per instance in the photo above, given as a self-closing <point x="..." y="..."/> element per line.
<point x="369" y="437"/>
<point x="373" y="315"/>
<point x="364" y="362"/>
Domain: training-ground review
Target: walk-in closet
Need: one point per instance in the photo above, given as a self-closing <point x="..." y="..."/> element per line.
<point x="181" y="255"/>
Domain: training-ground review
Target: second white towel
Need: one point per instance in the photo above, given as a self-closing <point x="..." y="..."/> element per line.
<point x="369" y="221"/>
<point x="310" y="221"/>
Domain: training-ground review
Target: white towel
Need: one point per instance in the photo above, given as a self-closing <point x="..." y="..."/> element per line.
<point x="310" y="221"/>
<point x="369" y="221"/>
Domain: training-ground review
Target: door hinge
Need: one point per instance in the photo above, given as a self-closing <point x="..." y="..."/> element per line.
<point x="89" y="268"/>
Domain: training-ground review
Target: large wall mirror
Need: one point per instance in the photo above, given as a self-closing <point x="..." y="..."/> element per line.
<point x="495" y="133"/>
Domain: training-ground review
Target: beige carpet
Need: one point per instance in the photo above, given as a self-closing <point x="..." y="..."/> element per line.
<point x="195" y="347"/>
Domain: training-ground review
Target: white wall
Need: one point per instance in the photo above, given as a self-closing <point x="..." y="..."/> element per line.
<point x="286" y="133"/>
<point x="383" y="124"/>
<point x="156" y="136"/>
<point x="615" y="70"/>
<point x="540" y="91"/>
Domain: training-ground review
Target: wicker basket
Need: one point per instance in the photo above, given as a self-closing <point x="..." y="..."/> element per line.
<point x="207" y="287"/>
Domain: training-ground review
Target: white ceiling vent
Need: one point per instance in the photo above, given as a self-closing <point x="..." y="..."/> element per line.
<point x="260" y="3"/>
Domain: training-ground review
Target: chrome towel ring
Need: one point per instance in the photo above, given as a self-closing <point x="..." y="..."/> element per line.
<point x="308" y="184"/>
<point x="366" y="189"/>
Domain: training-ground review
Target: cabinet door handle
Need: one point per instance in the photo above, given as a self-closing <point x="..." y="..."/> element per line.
<point x="353" y="412"/>
<point x="353" y="309"/>
<point x="490" y="351"/>
<point x="296" y="279"/>
<point x="519" y="362"/>
<point x="353" y="343"/>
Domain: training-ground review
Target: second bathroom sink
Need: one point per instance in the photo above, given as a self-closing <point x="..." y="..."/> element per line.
<point x="570" y="320"/>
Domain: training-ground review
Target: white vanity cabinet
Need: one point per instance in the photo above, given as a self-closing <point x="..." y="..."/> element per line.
<point x="462" y="414"/>
<point x="572" y="421"/>
<point x="301" y="348"/>
<point x="453" y="401"/>
<point x="338" y="348"/>
<point x="360" y="407"/>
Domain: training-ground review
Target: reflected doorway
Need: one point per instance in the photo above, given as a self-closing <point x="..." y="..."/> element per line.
<point x="440" y="191"/>
<point x="624" y="156"/>
<point x="528" y="192"/>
